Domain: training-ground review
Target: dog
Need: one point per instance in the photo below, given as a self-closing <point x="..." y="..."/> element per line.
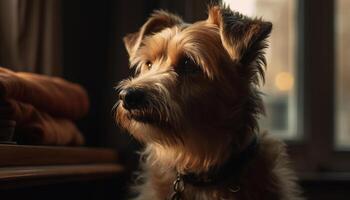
<point x="194" y="102"/>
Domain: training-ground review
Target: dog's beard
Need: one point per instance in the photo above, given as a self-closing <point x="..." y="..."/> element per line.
<point x="143" y="117"/>
<point x="146" y="116"/>
<point x="155" y="113"/>
<point x="148" y="125"/>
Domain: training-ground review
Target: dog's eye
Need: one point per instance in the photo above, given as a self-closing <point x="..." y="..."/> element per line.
<point x="149" y="64"/>
<point x="188" y="66"/>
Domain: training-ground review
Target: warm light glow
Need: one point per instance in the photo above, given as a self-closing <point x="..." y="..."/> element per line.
<point x="247" y="7"/>
<point x="284" y="81"/>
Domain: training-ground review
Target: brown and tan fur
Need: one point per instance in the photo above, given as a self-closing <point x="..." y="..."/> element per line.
<point x="201" y="82"/>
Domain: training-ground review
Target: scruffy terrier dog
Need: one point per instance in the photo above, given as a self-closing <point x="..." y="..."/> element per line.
<point x="194" y="102"/>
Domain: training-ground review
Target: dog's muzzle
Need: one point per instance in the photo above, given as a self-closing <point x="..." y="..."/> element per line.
<point x="133" y="98"/>
<point x="143" y="106"/>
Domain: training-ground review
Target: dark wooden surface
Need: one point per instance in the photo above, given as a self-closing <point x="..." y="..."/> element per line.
<point x="19" y="177"/>
<point x="22" y="155"/>
<point x="107" y="189"/>
<point x="28" y="166"/>
<point x="326" y="186"/>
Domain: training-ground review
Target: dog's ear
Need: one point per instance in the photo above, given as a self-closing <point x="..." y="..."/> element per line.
<point x="243" y="38"/>
<point x="158" y="21"/>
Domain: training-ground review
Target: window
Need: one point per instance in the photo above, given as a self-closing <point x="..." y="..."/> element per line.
<point x="308" y="76"/>
<point x="342" y="34"/>
<point x="280" y="87"/>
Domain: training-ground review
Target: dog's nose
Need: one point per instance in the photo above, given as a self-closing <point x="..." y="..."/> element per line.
<point x="132" y="98"/>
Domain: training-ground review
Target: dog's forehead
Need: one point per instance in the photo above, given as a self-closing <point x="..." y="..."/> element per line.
<point x="198" y="38"/>
<point x="179" y="34"/>
<point x="200" y="41"/>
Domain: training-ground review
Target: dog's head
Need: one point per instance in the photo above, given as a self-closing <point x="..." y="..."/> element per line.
<point x="194" y="83"/>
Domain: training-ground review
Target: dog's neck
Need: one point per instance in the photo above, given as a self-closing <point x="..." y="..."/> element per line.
<point x="203" y="161"/>
<point x="231" y="168"/>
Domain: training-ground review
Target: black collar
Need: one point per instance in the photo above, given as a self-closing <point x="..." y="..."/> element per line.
<point x="220" y="174"/>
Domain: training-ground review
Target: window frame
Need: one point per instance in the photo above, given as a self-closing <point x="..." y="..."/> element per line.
<point x="315" y="151"/>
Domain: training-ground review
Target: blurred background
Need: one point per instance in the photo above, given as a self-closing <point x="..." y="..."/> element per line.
<point x="307" y="84"/>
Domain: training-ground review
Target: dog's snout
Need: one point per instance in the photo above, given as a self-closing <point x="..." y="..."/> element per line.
<point x="132" y="98"/>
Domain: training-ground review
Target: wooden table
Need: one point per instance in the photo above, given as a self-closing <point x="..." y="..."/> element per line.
<point x="34" y="167"/>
